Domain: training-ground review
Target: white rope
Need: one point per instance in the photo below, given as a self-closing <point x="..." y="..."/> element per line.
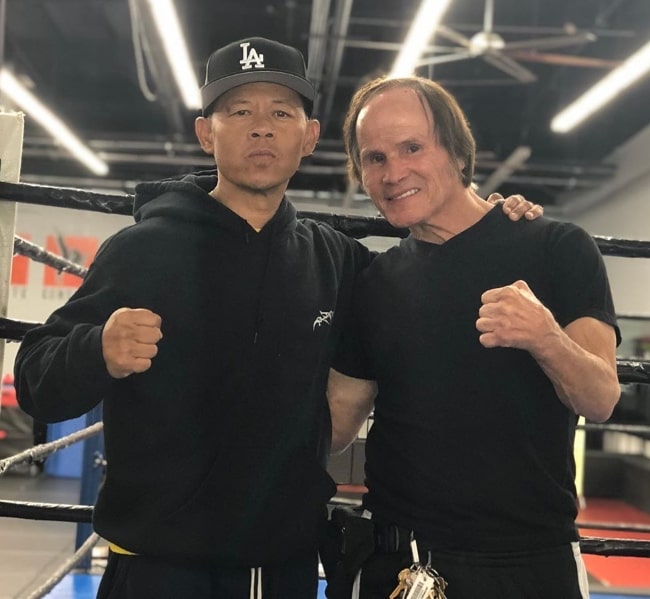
<point x="40" y="451"/>
<point x="65" y="568"/>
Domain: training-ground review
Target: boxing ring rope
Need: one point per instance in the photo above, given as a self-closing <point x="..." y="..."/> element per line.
<point x="629" y="371"/>
<point x="15" y="330"/>
<point x="83" y="513"/>
<point x="38" y="254"/>
<point x="66" y="567"/>
<point x="354" y="226"/>
<point x="40" y="451"/>
<point x="621" y="526"/>
<point x="52" y="512"/>
<point x="633" y="429"/>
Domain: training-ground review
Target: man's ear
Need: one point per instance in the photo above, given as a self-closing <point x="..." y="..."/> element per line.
<point x="311" y="137"/>
<point x="203" y="130"/>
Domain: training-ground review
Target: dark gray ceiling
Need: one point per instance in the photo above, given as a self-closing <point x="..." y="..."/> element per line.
<point x="79" y="55"/>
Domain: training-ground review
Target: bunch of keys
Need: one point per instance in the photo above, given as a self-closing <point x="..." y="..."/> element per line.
<point x="418" y="581"/>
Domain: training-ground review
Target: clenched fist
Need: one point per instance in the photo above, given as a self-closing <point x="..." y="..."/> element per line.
<point x="512" y="316"/>
<point x="129" y="341"/>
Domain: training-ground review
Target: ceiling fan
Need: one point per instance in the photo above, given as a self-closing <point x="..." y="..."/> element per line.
<point x="492" y="48"/>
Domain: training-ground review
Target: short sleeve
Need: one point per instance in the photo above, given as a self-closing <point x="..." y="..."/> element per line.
<point x="580" y="283"/>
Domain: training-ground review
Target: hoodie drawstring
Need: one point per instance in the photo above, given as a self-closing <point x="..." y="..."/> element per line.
<point x="256" y="583"/>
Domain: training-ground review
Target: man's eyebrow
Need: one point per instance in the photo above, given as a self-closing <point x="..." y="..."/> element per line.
<point x="368" y="153"/>
<point x="232" y="102"/>
<point x="236" y="101"/>
<point x="289" y="101"/>
<point x="411" y="141"/>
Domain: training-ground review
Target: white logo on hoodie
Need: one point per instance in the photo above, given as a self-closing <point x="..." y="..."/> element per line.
<point x="323" y="318"/>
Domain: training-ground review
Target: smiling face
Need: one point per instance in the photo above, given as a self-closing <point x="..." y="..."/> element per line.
<point x="409" y="176"/>
<point x="258" y="133"/>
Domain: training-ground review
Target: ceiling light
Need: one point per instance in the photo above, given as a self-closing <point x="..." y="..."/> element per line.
<point x="604" y="91"/>
<point x="35" y="109"/>
<point x="171" y="36"/>
<point x="424" y="24"/>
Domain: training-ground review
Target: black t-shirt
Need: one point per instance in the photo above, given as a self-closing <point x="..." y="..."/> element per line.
<point x="471" y="446"/>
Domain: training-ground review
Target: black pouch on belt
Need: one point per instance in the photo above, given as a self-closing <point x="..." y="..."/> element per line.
<point x="348" y="542"/>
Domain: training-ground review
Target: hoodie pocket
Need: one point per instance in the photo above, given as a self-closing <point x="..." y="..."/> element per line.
<point x="257" y="506"/>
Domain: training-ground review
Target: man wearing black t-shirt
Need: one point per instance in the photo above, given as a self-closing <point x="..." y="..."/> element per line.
<point x="478" y="344"/>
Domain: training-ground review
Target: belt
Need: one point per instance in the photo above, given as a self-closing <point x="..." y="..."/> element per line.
<point x="392" y="538"/>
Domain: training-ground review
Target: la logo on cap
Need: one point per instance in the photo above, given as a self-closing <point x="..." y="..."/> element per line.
<point x="250" y="57"/>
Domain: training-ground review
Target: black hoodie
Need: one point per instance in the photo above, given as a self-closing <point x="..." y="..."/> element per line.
<point x="213" y="453"/>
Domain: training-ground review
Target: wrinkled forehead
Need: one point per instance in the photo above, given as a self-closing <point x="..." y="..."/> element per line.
<point x="393" y="110"/>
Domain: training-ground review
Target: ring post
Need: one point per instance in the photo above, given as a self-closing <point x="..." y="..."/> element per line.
<point x="11" y="147"/>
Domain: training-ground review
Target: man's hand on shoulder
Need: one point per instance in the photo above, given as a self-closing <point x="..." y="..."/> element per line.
<point x="516" y="206"/>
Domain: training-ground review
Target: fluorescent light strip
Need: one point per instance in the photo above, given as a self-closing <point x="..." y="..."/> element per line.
<point x="425" y="22"/>
<point x="35" y="109"/>
<point x="604" y="91"/>
<point x="171" y="36"/>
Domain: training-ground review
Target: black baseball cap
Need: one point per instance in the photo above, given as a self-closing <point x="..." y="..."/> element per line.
<point x="255" y="60"/>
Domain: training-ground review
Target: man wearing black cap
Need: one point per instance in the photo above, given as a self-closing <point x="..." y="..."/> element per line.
<point x="207" y="330"/>
<point x="255" y="60"/>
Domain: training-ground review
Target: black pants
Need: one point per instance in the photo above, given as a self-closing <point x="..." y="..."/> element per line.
<point x="138" y="577"/>
<point x="536" y="574"/>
